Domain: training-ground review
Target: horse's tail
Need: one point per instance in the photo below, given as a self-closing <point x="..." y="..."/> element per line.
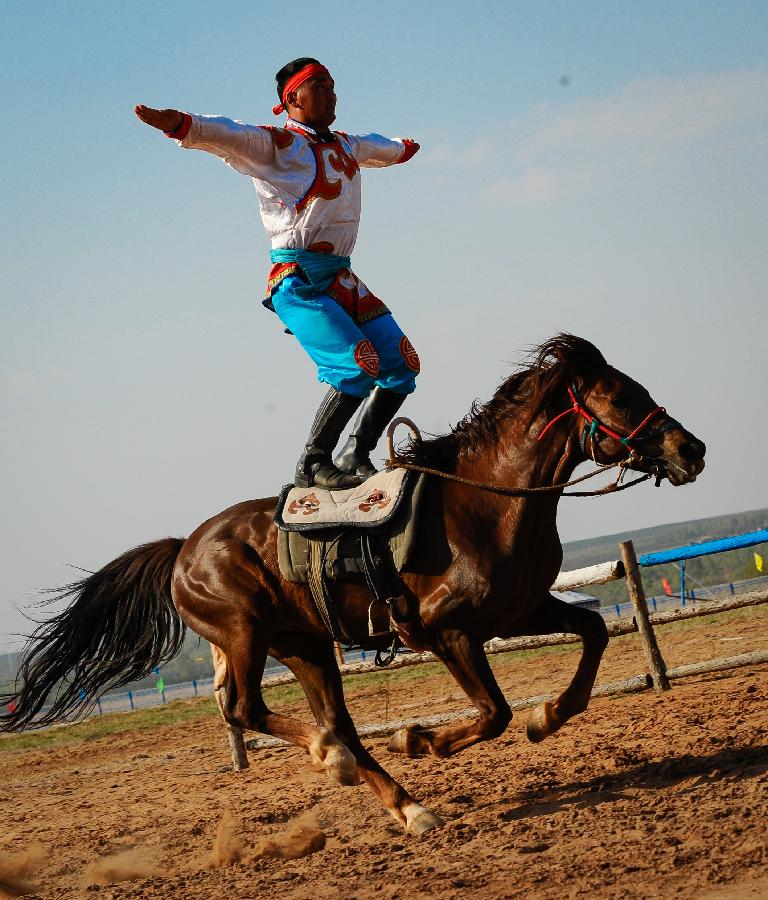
<point x="121" y="625"/>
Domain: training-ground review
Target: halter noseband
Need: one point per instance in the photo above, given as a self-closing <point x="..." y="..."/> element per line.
<point x="594" y="424"/>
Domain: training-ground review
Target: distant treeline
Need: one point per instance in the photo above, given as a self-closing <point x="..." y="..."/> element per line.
<point x="720" y="568"/>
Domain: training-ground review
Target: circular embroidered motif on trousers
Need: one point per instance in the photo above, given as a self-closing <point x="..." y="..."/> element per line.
<point x="410" y="356"/>
<point x="367" y="358"/>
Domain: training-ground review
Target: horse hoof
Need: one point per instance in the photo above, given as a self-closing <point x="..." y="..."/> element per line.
<point x="420" y="819"/>
<point x="398" y="743"/>
<point x="541" y="723"/>
<point x="341" y="767"/>
<point x="328" y="754"/>
<point x="409" y="742"/>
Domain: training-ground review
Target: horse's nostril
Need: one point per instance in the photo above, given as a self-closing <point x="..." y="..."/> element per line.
<point x="692" y="450"/>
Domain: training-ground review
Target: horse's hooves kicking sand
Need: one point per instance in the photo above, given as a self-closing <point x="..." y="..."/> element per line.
<point x="542" y="722"/>
<point x="331" y="756"/>
<point x="411" y="741"/>
<point x="420" y="819"/>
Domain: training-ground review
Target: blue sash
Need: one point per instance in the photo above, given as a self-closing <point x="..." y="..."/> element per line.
<point x="319" y="268"/>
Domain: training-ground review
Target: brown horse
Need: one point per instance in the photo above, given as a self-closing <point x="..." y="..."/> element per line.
<point x="482" y="567"/>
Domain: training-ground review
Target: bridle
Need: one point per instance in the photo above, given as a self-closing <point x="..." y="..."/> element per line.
<point x="594" y="427"/>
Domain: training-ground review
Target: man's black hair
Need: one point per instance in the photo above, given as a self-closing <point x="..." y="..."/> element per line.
<point x="291" y="69"/>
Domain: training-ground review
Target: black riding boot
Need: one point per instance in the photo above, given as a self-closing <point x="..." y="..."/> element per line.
<point x="315" y="466"/>
<point x="378" y="411"/>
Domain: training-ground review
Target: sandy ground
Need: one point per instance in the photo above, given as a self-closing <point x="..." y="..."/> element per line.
<point x="642" y="796"/>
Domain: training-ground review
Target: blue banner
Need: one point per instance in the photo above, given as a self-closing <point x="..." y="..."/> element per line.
<point x="704" y="549"/>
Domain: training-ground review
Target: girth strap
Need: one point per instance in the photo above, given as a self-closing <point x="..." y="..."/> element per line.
<point x="318" y="586"/>
<point x="379" y="573"/>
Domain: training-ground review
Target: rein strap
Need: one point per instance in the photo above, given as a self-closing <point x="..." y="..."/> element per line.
<point x="394" y="463"/>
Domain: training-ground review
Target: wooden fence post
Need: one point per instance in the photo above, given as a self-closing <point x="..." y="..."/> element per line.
<point x="235" y="738"/>
<point x="339" y="652"/>
<point x="647" y="634"/>
<point x="237" y="748"/>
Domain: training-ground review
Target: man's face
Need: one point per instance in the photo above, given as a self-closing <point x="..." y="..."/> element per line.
<point x="315" y="102"/>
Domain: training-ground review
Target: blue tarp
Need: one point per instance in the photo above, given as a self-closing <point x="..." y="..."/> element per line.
<point x="693" y="550"/>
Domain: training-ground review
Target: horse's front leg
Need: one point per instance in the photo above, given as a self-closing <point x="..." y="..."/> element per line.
<point x="467" y="662"/>
<point x="556" y="616"/>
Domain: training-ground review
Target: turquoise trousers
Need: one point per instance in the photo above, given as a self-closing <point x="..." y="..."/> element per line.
<point x="350" y="357"/>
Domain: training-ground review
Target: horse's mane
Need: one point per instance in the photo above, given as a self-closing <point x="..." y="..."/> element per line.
<point x="551" y="366"/>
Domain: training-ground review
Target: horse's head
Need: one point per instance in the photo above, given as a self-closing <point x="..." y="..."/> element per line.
<point x="569" y="389"/>
<point x="616" y="417"/>
<point x="621" y="421"/>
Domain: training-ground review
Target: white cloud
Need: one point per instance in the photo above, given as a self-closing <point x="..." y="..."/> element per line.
<point x="21" y="382"/>
<point x="533" y="187"/>
<point x="658" y="111"/>
<point x="630" y="131"/>
<point x="468" y="155"/>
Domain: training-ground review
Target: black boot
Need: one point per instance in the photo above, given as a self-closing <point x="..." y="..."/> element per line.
<point x="315" y="466"/>
<point x="377" y="412"/>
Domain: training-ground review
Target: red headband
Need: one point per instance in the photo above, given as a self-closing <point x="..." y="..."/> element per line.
<point x="295" y="81"/>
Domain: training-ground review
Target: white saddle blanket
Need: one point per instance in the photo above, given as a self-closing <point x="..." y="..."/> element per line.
<point x="370" y="504"/>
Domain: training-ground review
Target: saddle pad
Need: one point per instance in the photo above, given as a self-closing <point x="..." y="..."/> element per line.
<point x="343" y="548"/>
<point x="371" y="505"/>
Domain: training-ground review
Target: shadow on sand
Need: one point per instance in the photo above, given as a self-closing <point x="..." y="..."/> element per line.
<point x="732" y="764"/>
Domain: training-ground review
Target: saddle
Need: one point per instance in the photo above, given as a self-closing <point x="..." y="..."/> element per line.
<point x="362" y="534"/>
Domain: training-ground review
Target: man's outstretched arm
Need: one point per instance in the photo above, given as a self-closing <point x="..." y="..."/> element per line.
<point x="247" y="148"/>
<point x="167" y="120"/>
<point x="373" y="150"/>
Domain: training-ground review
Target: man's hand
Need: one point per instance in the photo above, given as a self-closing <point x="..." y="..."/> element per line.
<point x="164" y="119"/>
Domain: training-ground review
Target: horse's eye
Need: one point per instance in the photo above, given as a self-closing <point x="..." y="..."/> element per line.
<point x="620" y="401"/>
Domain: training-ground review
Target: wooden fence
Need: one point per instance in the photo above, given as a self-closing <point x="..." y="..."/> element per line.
<point x="657" y="678"/>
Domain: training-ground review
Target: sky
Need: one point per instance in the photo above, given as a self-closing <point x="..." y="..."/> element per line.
<point x="596" y="168"/>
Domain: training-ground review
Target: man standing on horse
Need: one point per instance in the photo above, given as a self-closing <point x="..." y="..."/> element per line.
<point x="308" y="182"/>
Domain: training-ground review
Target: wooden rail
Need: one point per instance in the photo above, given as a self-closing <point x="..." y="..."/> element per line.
<point x="630" y="686"/>
<point x="498" y="645"/>
<point x="602" y="573"/>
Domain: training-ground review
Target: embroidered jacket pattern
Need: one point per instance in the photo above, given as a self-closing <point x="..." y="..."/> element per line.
<point x="308" y="186"/>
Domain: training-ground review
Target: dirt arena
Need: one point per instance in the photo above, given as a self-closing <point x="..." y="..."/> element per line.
<point x="642" y="796"/>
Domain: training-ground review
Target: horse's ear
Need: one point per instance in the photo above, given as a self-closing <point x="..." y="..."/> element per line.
<point x="551" y="359"/>
<point x="559" y="354"/>
<point x="574" y="352"/>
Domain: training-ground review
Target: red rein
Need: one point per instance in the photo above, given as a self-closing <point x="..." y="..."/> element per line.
<point x="595" y="423"/>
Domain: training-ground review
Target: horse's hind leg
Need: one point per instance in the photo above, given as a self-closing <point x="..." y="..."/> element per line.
<point x="219" y="676"/>
<point x="234" y="734"/>
<point x="243" y="706"/>
<point x="316" y="669"/>
<point x="553" y="617"/>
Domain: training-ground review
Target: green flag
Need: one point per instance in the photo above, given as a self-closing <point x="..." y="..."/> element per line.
<point x="160" y="684"/>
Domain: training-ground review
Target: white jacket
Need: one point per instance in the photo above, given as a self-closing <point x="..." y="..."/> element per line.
<point x="308" y="187"/>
